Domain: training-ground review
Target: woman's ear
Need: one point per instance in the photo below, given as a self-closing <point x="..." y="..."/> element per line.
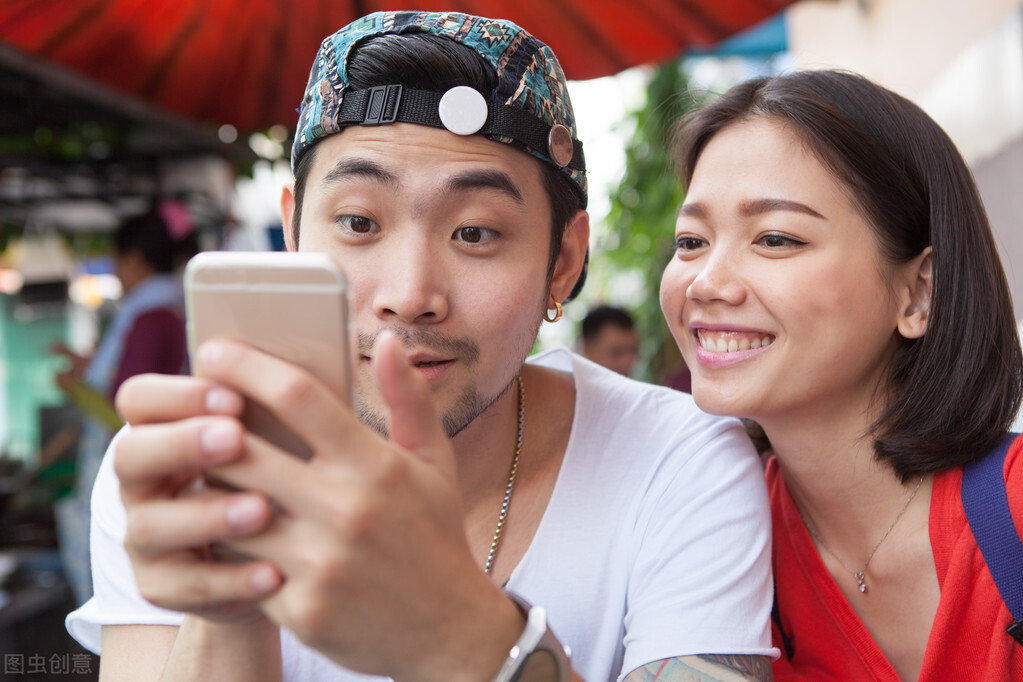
<point x="915" y="308"/>
<point x="288" y="215"/>
<point x="572" y="256"/>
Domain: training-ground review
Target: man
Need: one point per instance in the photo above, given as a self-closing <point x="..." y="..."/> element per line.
<point x="402" y="548"/>
<point x="609" y="338"/>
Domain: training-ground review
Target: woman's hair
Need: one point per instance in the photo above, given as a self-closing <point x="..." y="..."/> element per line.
<point x="953" y="393"/>
<point x="422" y="61"/>
<point x="149" y="235"/>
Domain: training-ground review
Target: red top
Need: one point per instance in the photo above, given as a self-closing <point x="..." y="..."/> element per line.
<point x="155" y="343"/>
<point x="968" y="640"/>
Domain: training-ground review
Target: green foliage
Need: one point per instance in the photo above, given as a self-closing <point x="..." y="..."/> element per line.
<point x="641" y="219"/>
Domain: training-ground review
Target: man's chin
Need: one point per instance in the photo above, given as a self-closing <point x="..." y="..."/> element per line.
<point x="374" y="419"/>
<point x="466" y="409"/>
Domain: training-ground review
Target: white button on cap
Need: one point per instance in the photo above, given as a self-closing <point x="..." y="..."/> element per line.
<point x="462" y="110"/>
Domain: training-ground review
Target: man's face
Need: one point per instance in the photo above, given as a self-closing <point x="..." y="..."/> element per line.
<point x="614" y="347"/>
<point x="445" y="240"/>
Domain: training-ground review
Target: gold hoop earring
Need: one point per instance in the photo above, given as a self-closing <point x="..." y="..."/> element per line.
<point x="557" y="313"/>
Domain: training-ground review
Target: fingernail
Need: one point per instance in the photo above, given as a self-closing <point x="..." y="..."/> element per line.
<point x="263" y="579"/>
<point x="219" y="441"/>
<point x="245" y="514"/>
<point x="222" y="401"/>
<point x="211" y="352"/>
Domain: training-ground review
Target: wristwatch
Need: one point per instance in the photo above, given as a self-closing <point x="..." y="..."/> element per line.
<point x="536" y="648"/>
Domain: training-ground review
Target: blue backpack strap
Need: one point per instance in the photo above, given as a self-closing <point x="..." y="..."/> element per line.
<point x="987" y="510"/>
<point x="788" y="650"/>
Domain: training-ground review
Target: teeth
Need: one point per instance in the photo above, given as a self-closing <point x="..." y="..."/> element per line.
<point x="731" y="345"/>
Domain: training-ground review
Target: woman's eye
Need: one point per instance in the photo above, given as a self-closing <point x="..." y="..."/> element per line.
<point x="358" y="224"/>
<point x="473" y="235"/>
<point x="777" y="241"/>
<point x="688" y="243"/>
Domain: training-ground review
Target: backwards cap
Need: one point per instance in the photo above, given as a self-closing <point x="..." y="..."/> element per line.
<point x="529" y="109"/>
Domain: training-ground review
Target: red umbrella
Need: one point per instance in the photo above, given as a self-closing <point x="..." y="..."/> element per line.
<point x="245" y="62"/>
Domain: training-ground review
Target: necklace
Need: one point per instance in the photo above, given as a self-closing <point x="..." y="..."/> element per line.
<point x="861" y="575"/>
<point x="511" y="481"/>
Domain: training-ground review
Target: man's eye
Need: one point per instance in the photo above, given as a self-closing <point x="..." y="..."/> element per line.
<point x="358" y="224"/>
<point x="473" y="235"/>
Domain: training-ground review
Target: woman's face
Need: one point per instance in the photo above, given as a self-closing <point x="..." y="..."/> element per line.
<point x="777" y="295"/>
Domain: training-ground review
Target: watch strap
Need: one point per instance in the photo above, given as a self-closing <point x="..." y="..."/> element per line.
<point x="536" y="638"/>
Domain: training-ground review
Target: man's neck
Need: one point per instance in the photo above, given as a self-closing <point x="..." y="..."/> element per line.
<point x="487" y="444"/>
<point x="484" y="453"/>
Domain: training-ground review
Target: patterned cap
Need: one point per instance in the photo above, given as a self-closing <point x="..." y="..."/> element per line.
<point x="529" y="109"/>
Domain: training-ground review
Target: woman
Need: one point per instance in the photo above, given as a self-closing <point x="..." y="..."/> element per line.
<point x="146" y="334"/>
<point x="836" y="281"/>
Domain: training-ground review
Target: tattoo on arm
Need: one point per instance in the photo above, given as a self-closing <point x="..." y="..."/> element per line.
<point x="705" y="668"/>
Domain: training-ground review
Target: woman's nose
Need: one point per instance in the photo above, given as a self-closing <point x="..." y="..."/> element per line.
<point x="719" y="278"/>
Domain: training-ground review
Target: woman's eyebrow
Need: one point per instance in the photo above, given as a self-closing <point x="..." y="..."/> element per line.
<point x="752" y="207"/>
<point x="759" y="206"/>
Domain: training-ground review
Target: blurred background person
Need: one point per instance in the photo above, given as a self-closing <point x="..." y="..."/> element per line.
<point x="609" y="338"/>
<point x="145" y="334"/>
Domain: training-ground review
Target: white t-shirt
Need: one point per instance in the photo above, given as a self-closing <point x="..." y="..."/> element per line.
<point x="655" y="543"/>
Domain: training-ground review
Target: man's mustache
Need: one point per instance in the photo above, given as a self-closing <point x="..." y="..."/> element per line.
<point x="464" y="348"/>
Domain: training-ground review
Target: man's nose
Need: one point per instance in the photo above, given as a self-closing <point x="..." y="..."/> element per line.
<point x="412" y="286"/>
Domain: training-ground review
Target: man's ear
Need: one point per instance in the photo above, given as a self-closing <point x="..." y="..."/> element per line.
<point x="572" y="256"/>
<point x="288" y="215"/>
<point x="915" y="293"/>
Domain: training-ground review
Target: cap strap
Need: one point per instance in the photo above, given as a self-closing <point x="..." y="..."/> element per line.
<point x="384" y="104"/>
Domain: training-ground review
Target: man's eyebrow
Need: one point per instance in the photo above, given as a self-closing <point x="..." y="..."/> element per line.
<point x="752" y="208"/>
<point x="485" y="179"/>
<point x="355" y="168"/>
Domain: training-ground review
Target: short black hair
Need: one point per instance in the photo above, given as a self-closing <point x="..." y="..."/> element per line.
<point x="428" y="62"/>
<point x="601" y="316"/>
<point x="952" y="394"/>
<point x="148" y="235"/>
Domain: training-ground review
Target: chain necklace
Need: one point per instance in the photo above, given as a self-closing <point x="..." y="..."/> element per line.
<point x="511" y="481"/>
<point x="861" y="575"/>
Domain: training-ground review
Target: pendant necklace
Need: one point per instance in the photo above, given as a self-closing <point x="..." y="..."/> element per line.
<point x="861" y="575"/>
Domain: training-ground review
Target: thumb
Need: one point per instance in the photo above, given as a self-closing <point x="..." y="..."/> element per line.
<point x="415" y="425"/>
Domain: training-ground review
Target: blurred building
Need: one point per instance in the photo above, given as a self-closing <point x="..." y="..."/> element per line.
<point x="961" y="61"/>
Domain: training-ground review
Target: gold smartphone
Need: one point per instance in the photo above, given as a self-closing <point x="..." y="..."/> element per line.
<point x="291" y="305"/>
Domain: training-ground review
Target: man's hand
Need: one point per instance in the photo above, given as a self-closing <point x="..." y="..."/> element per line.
<point x="179" y="427"/>
<point x="368" y="533"/>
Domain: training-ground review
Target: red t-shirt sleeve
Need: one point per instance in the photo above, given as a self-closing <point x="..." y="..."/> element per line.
<point x="155" y="343"/>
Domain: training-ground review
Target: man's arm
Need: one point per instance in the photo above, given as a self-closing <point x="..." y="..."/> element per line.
<point x="199" y="649"/>
<point x="135" y="653"/>
<point x="724" y="667"/>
